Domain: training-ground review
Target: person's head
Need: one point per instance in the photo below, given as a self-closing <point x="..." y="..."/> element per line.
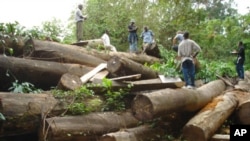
<point x="145" y="28"/>
<point x="80" y="6"/>
<point x="179" y="32"/>
<point x="240" y="43"/>
<point x="106" y="31"/>
<point x="186" y="35"/>
<point x="132" y="21"/>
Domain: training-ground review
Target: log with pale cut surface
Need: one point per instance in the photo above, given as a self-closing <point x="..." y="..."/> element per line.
<point x="121" y="66"/>
<point x="158" y="103"/>
<point x="210" y="118"/>
<point x="69" y="82"/>
<point x="243" y="109"/>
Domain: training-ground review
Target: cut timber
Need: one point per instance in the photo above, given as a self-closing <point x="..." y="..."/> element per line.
<point x="139" y="85"/>
<point x="152" y="50"/>
<point x="129" y="77"/>
<point x="85" y="78"/>
<point x="141" y="133"/>
<point x="100" y="75"/>
<point x="23" y="112"/>
<point x="243" y="109"/>
<point x="80" y="127"/>
<point x="43" y="74"/>
<point x="219" y="137"/>
<point x="158" y="103"/>
<point x="203" y="125"/>
<point x="66" y="53"/>
<point x="69" y="82"/>
<point x="123" y="66"/>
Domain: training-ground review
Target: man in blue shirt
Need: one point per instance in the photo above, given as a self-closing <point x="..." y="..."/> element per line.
<point x="148" y="38"/>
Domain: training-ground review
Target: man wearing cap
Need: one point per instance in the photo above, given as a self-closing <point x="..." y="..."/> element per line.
<point x="132" y="37"/>
<point x="79" y="18"/>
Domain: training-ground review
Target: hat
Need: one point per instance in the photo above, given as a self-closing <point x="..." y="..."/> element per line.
<point x="132" y="21"/>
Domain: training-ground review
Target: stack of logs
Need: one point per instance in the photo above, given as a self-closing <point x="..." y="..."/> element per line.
<point x="49" y="64"/>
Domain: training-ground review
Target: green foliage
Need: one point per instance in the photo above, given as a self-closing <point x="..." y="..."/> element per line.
<point x="114" y="100"/>
<point x="24" y="87"/>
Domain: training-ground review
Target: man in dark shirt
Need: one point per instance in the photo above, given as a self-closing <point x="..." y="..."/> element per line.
<point x="240" y="61"/>
<point x="132" y="37"/>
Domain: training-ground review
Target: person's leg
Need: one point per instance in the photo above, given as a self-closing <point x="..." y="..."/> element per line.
<point x="192" y="73"/>
<point x="238" y="70"/>
<point x="185" y="72"/>
<point x="241" y="71"/>
<point x="79" y="30"/>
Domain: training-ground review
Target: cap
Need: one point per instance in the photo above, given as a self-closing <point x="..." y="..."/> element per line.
<point x="132" y="21"/>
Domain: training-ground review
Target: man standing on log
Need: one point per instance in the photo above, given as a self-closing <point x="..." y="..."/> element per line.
<point x="240" y="61"/>
<point x="132" y="37"/>
<point x="187" y="51"/>
<point x="79" y="18"/>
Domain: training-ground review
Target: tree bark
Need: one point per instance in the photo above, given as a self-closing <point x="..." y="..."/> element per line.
<point x="122" y="66"/>
<point x="42" y="74"/>
<point x="23" y="112"/>
<point x="203" y="126"/>
<point x="158" y="103"/>
<point x="66" y="53"/>
<point x="243" y="109"/>
<point x="141" y="133"/>
<point x="79" y="127"/>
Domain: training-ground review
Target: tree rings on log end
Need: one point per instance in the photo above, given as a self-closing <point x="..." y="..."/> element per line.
<point x="142" y="108"/>
<point x="193" y="133"/>
<point x="69" y="82"/>
<point x="114" y="64"/>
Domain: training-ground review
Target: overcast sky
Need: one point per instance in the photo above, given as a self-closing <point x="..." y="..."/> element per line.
<point x="31" y="13"/>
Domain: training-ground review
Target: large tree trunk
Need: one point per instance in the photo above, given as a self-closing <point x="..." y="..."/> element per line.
<point x="203" y="126"/>
<point x="23" y="112"/>
<point x="122" y="66"/>
<point x="67" y="53"/>
<point x="141" y="133"/>
<point x="86" y="126"/>
<point x="42" y="74"/>
<point x="158" y="103"/>
<point x="243" y="109"/>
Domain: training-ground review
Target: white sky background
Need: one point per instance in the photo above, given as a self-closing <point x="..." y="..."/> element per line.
<point x="31" y="13"/>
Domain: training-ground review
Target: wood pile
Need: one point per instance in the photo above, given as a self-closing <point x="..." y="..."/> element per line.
<point x="67" y="67"/>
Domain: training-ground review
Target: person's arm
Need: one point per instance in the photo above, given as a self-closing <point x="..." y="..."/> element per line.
<point x="196" y="49"/>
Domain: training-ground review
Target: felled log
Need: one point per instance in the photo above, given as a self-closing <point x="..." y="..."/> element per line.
<point x="66" y="53"/>
<point x="243" y="109"/>
<point x="123" y="66"/>
<point x="78" y="128"/>
<point x="23" y="112"/>
<point x="140" y="133"/>
<point x="204" y="124"/>
<point x="69" y="82"/>
<point x="43" y="74"/>
<point x="219" y="137"/>
<point x="158" y="103"/>
<point x="139" y="85"/>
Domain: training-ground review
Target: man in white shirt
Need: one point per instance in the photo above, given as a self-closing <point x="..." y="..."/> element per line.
<point x="187" y="51"/>
<point x="79" y="18"/>
<point x="106" y="41"/>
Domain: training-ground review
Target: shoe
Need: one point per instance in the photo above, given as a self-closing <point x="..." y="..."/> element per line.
<point x="184" y="87"/>
<point x="190" y="87"/>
